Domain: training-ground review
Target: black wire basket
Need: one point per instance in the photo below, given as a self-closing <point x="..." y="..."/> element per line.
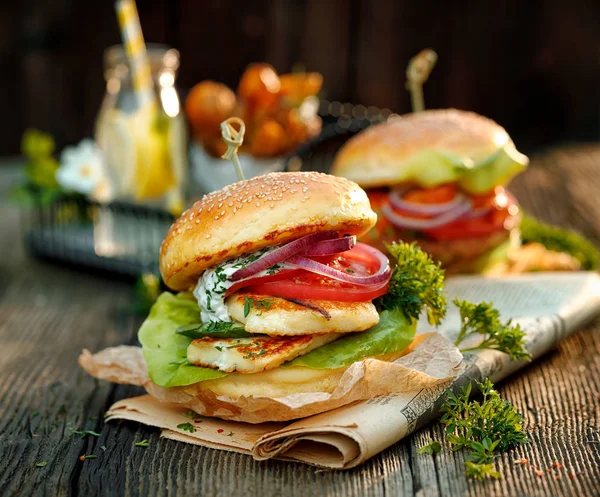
<point x="123" y="239"/>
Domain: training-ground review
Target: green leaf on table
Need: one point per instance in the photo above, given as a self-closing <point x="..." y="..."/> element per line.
<point x="431" y="448"/>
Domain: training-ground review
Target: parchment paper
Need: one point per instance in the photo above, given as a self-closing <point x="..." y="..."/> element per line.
<point x="549" y="306"/>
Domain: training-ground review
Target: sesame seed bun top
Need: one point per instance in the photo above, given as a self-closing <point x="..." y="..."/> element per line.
<point x="377" y="156"/>
<point x="263" y="211"/>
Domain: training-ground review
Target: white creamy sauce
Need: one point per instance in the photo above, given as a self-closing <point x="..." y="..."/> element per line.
<point x="211" y="287"/>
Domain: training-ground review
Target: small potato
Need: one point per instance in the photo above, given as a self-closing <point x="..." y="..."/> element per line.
<point x="295" y="87"/>
<point x="207" y="105"/>
<point x="269" y="139"/>
<point x="259" y="89"/>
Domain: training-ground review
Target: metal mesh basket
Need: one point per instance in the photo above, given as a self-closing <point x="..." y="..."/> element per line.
<point x="124" y="239"/>
<point x="119" y="238"/>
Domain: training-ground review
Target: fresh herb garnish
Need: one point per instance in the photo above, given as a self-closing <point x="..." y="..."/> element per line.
<point x="191" y="414"/>
<point x="143" y="443"/>
<point x="416" y="283"/>
<point x="484" y="428"/>
<point x="431" y="448"/>
<point x="41" y="464"/>
<point x="230" y="434"/>
<point x="85" y="433"/>
<point x="35" y="413"/>
<point x="187" y="427"/>
<point x="483" y="319"/>
<point x="208" y="297"/>
<point x="273" y="269"/>
<point x="103" y="448"/>
<point x="348" y="270"/>
<point x="90" y="456"/>
<point x="247" y="305"/>
<point x="250" y="355"/>
<point x="218" y="329"/>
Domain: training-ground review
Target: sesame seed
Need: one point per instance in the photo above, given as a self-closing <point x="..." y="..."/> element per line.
<point x="216" y="217"/>
<point x="220" y="205"/>
<point x="272" y="205"/>
<point x="257" y="204"/>
<point x="230" y="204"/>
<point x="222" y="213"/>
<point x="197" y="221"/>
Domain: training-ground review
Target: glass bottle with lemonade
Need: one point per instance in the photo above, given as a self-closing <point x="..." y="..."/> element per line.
<point x="144" y="146"/>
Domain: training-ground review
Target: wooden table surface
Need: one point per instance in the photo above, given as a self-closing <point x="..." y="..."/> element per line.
<point x="49" y="313"/>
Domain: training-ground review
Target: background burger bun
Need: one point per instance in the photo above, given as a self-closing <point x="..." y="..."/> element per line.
<point x="373" y="157"/>
<point x="264" y="211"/>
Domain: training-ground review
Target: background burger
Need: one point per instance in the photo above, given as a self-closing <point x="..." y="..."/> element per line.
<point x="437" y="177"/>
<point x="277" y="298"/>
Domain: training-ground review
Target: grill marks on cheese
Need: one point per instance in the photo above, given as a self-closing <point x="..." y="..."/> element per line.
<point x="277" y="316"/>
<point x="284" y="330"/>
<point x="252" y="355"/>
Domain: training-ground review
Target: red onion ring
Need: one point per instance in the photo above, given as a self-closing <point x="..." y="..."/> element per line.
<point x="382" y="274"/>
<point x="431" y="209"/>
<point x="476" y="213"/>
<point x="330" y="247"/>
<point x="281" y="254"/>
<point x="424" y="224"/>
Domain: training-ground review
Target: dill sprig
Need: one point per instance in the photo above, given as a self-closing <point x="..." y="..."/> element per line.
<point x="483" y="319"/>
<point x="416" y="283"/>
<point x="483" y="428"/>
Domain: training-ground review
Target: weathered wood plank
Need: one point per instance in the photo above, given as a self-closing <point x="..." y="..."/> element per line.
<point x="47" y="314"/>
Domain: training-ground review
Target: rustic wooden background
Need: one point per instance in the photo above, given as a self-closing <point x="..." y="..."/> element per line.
<point x="533" y="66"/>
<point x="48" y="314"/>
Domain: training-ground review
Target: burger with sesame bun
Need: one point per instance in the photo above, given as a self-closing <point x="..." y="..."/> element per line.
<point x="277" y="298"/>
<point x="438" y="177"/>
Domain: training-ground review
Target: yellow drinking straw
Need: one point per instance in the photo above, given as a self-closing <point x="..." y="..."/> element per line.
<point x="417" y="72"/>
<point x="135" y="48"/>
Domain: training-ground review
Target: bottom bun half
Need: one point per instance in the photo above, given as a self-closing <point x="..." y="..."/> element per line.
<point x="289" y="393"/>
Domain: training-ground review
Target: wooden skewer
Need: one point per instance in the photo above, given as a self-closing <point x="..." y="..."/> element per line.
<point x="417" y="72"/>
<point x="234" y="139"/>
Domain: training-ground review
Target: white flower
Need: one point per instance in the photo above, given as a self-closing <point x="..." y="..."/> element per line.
<point x="81" y="168"/>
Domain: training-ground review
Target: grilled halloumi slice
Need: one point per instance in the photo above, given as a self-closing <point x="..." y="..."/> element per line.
<point x="275" y="316"/>
<point x="252" y="355"/>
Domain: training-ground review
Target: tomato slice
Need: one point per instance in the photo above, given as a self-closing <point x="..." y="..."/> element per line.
<point x="436" y="195"/>
<point x="281" y="275"/>
<point x="502" y="216"/>
<point x="314" y="286"/>
<point x="302" y="284"/>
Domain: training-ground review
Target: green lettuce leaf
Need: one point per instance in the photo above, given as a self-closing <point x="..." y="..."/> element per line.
<point x="165" y="351"/>
<point x="393" y="333"/>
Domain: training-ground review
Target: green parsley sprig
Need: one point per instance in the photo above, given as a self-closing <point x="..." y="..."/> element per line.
<point x="484" y="320"/>
<point x="483" y="428"/>
<point x="416" y="283"/>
